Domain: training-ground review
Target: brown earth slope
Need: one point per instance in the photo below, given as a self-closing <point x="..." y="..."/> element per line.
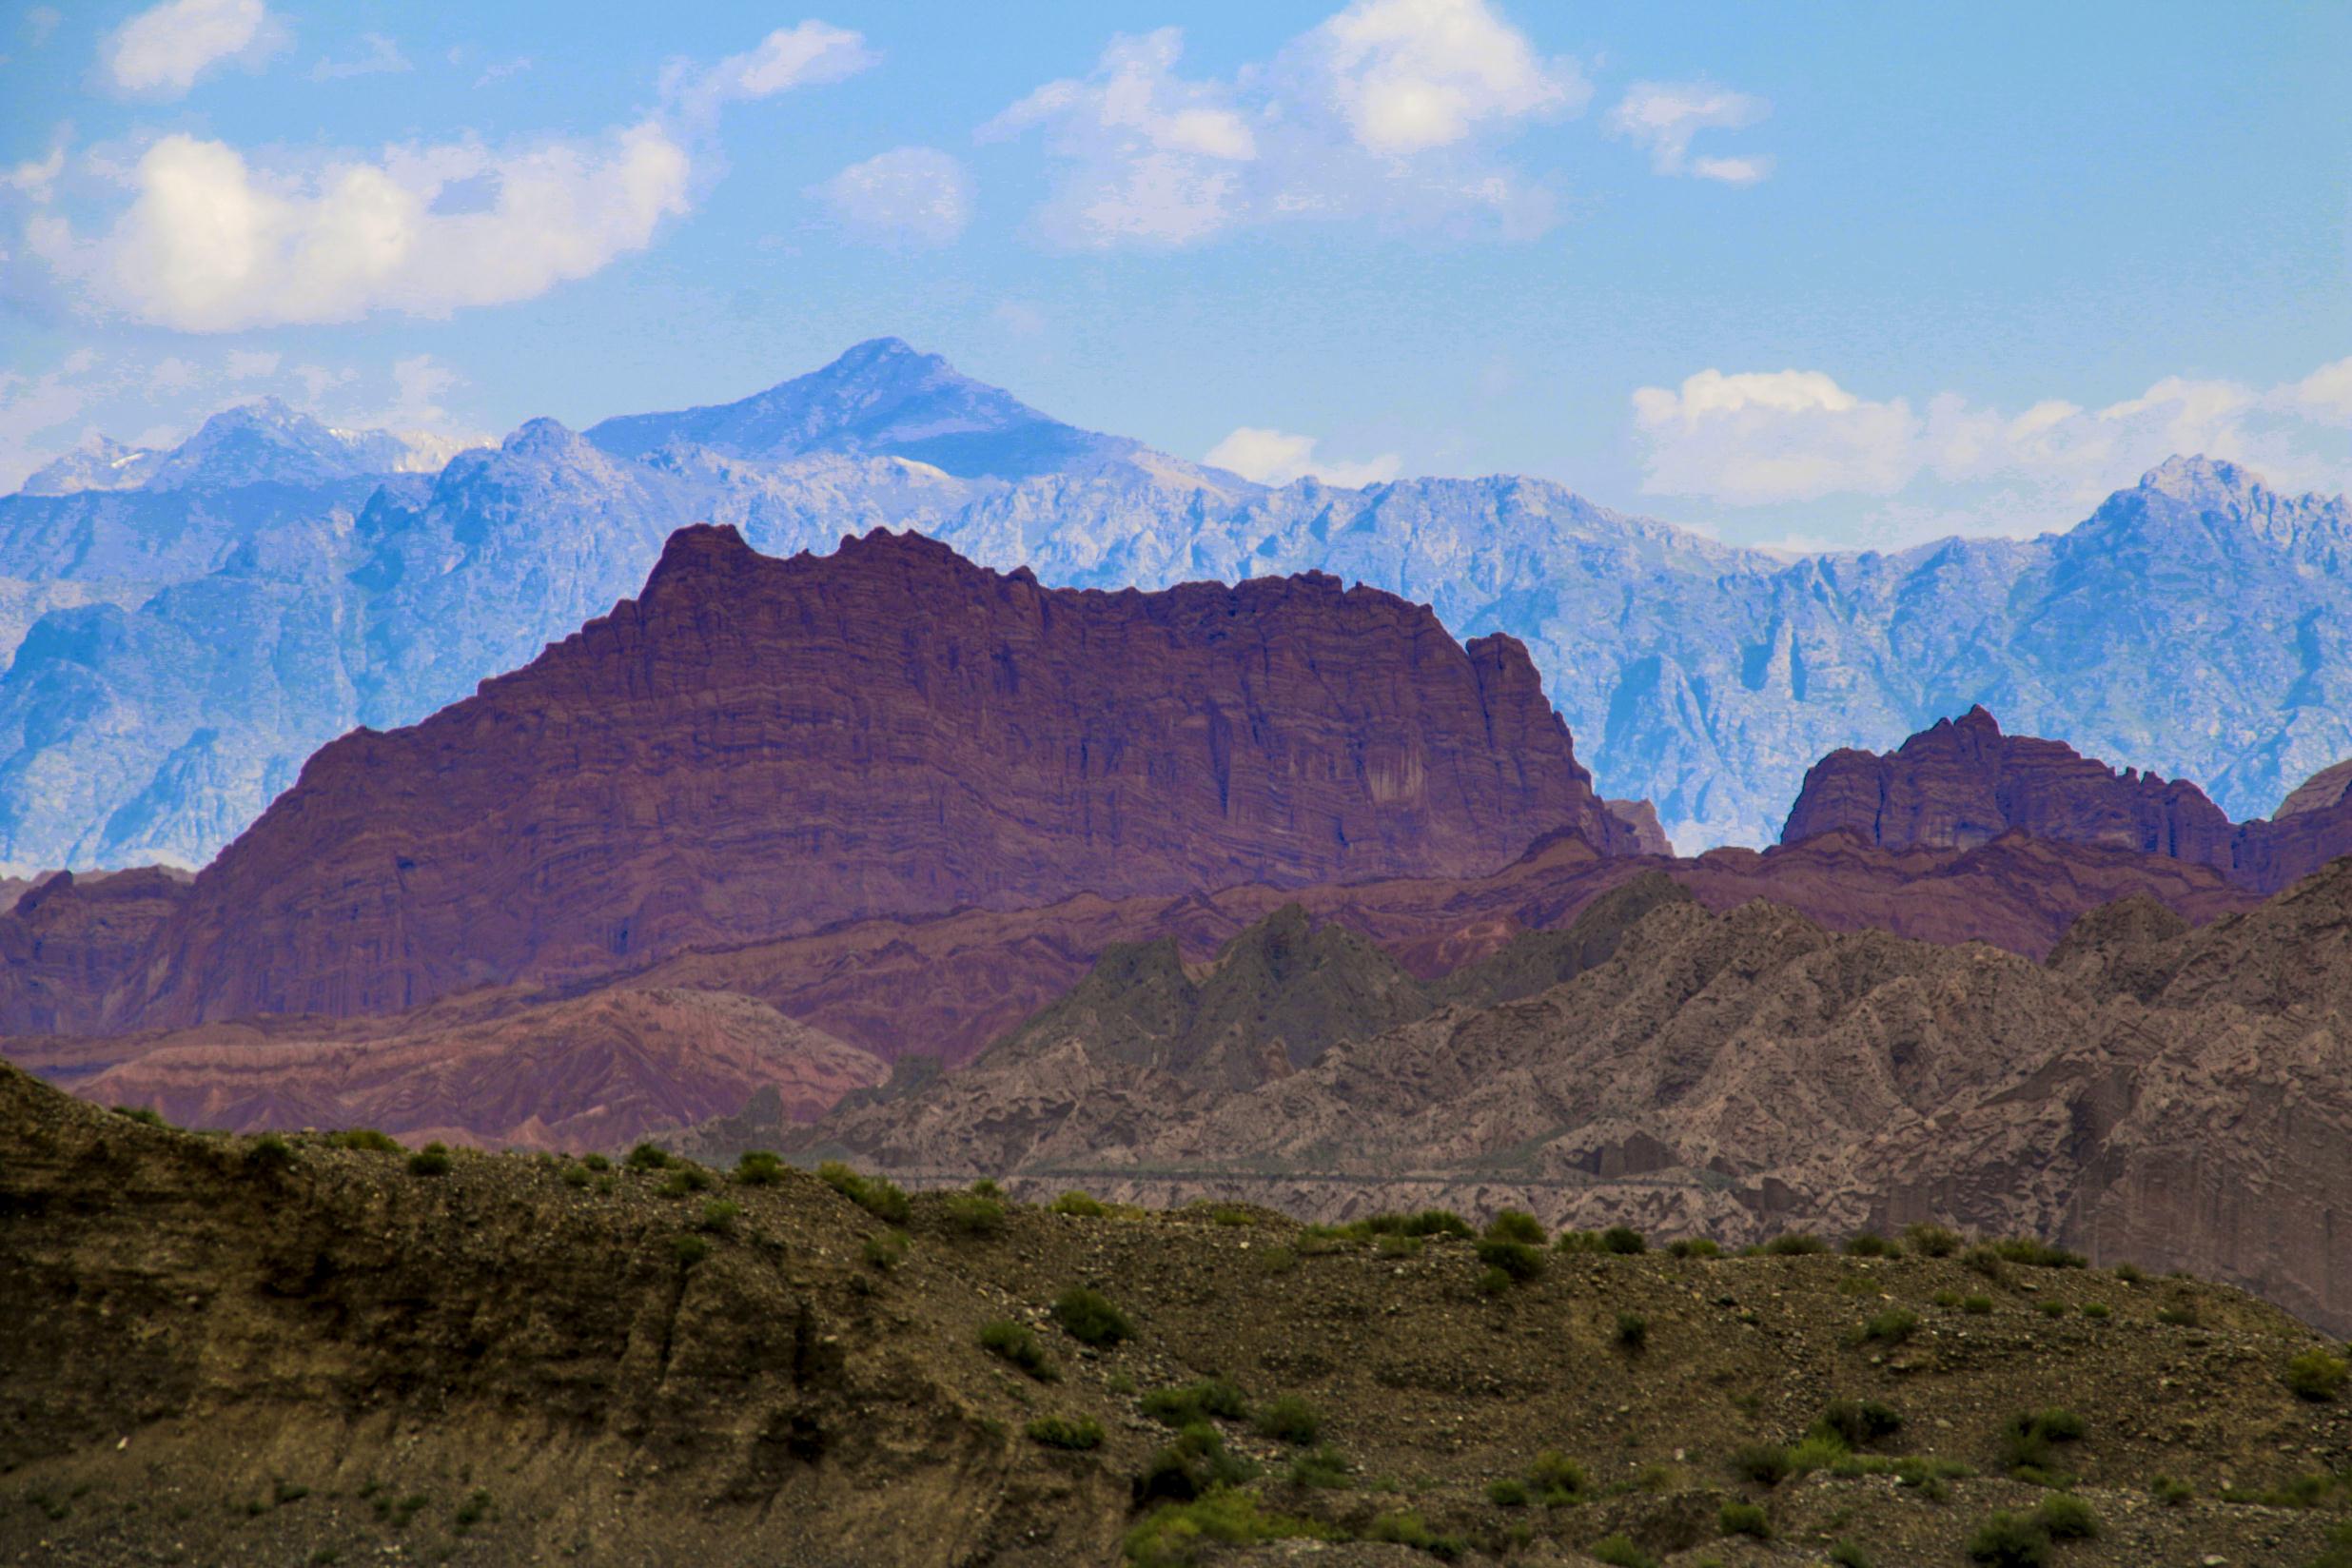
<point x="2182" y="1097"/>
<point x="1964" y="783"/>
<point x="220" y="1350"/>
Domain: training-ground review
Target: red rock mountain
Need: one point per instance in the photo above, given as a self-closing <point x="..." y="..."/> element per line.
<point x="758" y="747"/>
<point x="1964" y="783"/>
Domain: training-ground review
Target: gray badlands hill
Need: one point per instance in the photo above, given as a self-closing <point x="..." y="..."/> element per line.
<point x="2181" y="1098"/>
<point x="196" y="643"/>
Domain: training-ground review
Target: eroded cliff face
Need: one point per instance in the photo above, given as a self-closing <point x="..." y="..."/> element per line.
<point x="758" y="747"/>
<point x="1964" y="783"/>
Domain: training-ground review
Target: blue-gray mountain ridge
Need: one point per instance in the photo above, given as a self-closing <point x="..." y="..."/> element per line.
<point x="184" y="628"/>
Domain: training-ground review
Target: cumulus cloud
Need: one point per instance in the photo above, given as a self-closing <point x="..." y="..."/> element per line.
<point x="36" y="178"/>
<point x="378" y="55"/>
<point x="211" y="244"/>
<point x="161" y="51"/>
<point x="1390" y="109"/>
<point x="1797" y="435"/>
<point x="1409" y="75"/>
<point x="1274" y="456"/>
<point x="1664" y="116"/>
<point x="909" y="196"/>
<point x="811" y="53"/>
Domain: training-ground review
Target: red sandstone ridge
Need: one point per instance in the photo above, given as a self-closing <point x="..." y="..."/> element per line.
<point x="756" y="747"/>
<point x="1964" y="783"/>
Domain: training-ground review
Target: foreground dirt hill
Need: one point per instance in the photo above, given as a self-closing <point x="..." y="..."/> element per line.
<point x="228" y="1350"/>
<point x="2178" y="1096"/>
<point x="1963" y="783"/>
<point x="756" y="747"/>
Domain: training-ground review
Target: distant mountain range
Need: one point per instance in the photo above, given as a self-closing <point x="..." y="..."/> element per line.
<point x="184" y="628"/>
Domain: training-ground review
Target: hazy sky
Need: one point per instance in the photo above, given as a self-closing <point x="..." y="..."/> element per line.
<point x="1833" y="274"/>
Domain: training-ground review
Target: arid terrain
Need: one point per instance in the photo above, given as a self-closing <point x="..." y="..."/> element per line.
<point x="232" y="1349"/>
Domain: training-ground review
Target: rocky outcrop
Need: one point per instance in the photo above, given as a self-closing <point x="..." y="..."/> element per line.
<point x="1964" y="783"/>
<point x="67" y="939"/>
<point x="1648" y="837"/>
<point x="759" y="747"/>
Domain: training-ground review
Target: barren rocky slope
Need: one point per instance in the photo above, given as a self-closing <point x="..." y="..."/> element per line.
<point x="1964" y="783"/>
<point x="2178" y="1096"/>
<point x="237" y="1350"/>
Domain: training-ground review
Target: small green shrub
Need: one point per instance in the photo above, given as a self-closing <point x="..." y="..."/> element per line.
<point x="2180" y="1314"/>
<point x="986" y="1188"/>
<point x="886" y="1201"/>
<point x="1845" y="1554"/>
<point x="2035" y="1253"/>
<point x="1176" y="1536"/>
<point x="1945" y="1298"/>
<point x="1931" y="1241"/>
<point x="1517" y="1224"/>
<point x="1765" y="1463"/>
<point x="1693" y="1246"/>
<point x="2029" y="1439"/>
<point x="143" y="1114"/>
<point x="1016" y="1342"/>
<point x="1080" y="1205"/>
<point x="2010" y="1541"/>
<point x="577" y="1177"/>
<point x="1892" y="1327"/>
<point x="1581" y="1241"/>
<point x="2317" y="1375"/>
<point x="1816" y="1451"/>
<point x="1061" y="1432"/>
<point x="2053" y="1310"/>
<point x="2171" y="1493"/>
<point x="1858" y="1423"/>
<point x="887" y="1250"/>
<point x="1189" y="1404"/>
<point x="1507" y="1493"/>
<point x="1196" y="1462"/>
<point x="969" y="1214"/>
<point x="1437" y="1222"/>
<point x="1984" y="1260"/>
<point x="2097" y="1311"/>
<point x="1633" y="1330"/>
<point x="1977" y="1305"/>
<point x="758" y="1168"/>
<point x="1556" y="1478"/>
<point x="1289" y="1418"/>
<point x="1624" y="1240"/>
<point x="1619" y="1552"/>
<point x="1869" y="1244"/>
<point x="1493" y="1281"/>
<point x="2067" y="1518"/>
<point x="719" y="1216"/>
<point x="1408" y="1529"/>
<point x="1795" y="1243"/>
<point x="1089" y="1317"/>
<point x="1391" y="1244"/>
<point x="366" y="1140"/>
<point x="596" y="1163"/>
<point x="1517" y="1261"/>
<point x="269" y="1152"/>
<point x="2129" y="1273"/>
<point x="647" y="1157"/>
<point x="1745" y="1518"/>
<point x="1323" y="1468"/>
<point x="472" y="1510"/>
<point x="684" y="1179"/>
<point x="689" y="1249"/>
<point x="432" y="1160"/>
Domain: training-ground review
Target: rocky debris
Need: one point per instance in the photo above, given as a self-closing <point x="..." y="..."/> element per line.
<point x="1964" y="783"/>
<point x="758" y="747"/>
<point x="236" y="1350"/>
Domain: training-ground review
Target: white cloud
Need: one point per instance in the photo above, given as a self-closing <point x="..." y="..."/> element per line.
<point x="161" y="52"/>
<point x="1274" y="456"/>
<point x="41" y="21"/>
<point x="37" y="178"/>
<point x="2326" y="393"/>
<point x="808" y="53"/>
<point x="35" y="409"/>
<point x="1387" y="110"/>
<point x="244" y="365"/>
<point x="1408" y="75"/>
<point x="172" y="375"/>
<point x="913" y="195"/>
<point x="378" y="55"/>
<point x="211" y="244"/>
<point x="498" y="70"/>
<point x="1795" y="434"/>
<point x="1664" y="116"/>
<point x="318" y="380"/>
<point x="1788" y="435"/>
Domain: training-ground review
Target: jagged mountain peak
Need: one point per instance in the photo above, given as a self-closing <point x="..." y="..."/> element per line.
<point x="880" y="397"/>
<point x="100" y="462"/>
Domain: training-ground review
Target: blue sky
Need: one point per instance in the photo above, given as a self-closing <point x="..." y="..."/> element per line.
<point x="1833" y="275"/>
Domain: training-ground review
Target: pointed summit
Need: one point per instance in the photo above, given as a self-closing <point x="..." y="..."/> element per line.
<point x="2210" y="484"/>
<point x="879" y="399"/>
<point x="265" y="442"/>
